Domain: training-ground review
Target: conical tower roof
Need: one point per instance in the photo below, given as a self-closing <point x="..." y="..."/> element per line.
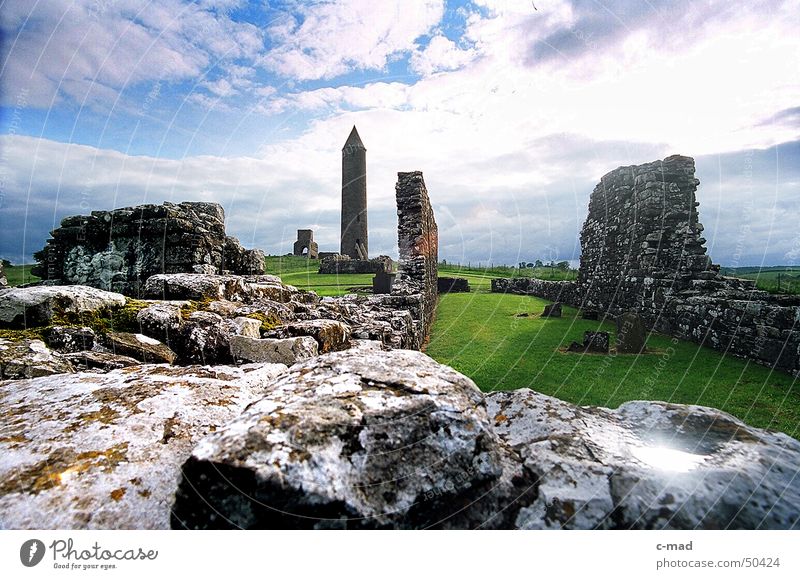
<point x="354" y="141"/>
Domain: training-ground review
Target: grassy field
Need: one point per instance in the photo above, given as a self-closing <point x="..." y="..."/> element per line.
<point x="481" y="335"/>
<point x="19" y="274"/>
<point x="776" y="279"/>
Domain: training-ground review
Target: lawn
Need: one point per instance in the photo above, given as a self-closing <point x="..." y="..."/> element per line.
<point x="775" y="279"/>
<point x="481" y="335"/>
<point x="19" y="274"/>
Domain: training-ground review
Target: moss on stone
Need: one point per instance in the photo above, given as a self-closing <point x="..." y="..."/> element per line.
<point x="268" y="321"/>
<point x="195" y="306"/>
<point x="19" y="335"/>
<point x="103" y="320"/>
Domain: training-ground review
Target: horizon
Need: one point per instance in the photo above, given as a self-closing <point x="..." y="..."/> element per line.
<point x="513" y="113"/>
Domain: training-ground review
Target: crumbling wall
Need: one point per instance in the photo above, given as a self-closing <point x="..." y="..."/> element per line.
<point x="418" y="242"/>
<point x="345" y="264"/>
<point x="642" y="249"/>
<point x="118" y="250"/>
<point x="642" y="237"/>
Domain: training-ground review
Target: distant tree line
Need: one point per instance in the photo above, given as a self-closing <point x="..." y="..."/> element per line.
<point x="562" y="265"/>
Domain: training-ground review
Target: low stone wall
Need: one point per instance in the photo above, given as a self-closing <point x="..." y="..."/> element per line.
<point x="344" y="264"/>
<point x="556" y="291"/>
<point x="119" y="250"/>
<point x="447" y="285"/>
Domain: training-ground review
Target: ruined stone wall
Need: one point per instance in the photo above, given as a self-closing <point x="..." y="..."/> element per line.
<point x="642" y="237"/>
<point x="344" y="264"/>
<point x="642" y="249"/>
<point x="118" y="250"/>
<point x="418" y="242"/>
<point x="555" y="291"/>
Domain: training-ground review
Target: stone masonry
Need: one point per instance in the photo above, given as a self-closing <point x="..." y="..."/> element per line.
<point x="305" y="244"/>
<point x="118" y="250"/>
<point x="642" y="250"/>
<point x="418" y="241"/>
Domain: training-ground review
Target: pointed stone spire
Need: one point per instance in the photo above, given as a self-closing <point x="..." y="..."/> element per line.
<point x="354" y="198"/>
<point x="354" y="141"/>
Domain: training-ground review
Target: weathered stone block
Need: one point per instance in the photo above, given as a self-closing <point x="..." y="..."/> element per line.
<point x="278" y="351"/>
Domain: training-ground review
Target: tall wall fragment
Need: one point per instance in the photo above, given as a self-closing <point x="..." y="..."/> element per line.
<point x="418" y="242"/>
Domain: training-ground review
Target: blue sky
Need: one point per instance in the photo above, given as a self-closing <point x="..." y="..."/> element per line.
<point x="513" y="110"/>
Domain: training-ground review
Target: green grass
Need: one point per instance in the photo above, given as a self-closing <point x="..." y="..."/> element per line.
<point x="480" y="335"/>
<point x="302" y="273"/>
<point x="19" y="274"/>
<point x="549" y="273"/>
<point x="775" y="279"/>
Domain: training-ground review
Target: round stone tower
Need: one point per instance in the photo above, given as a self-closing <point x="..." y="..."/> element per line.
<point x="354" y="198"/>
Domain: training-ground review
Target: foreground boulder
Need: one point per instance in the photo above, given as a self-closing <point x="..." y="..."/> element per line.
<point x="90" y="451"/>
<point x="29" y="359"/>
<point x="648" y="465"/>
<point x="363" y="439"/>
<point x="42" y="305"/>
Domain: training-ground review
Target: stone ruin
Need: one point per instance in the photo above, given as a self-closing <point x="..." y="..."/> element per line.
<point x="338" y="263"/>
<point x="642" y="250"/>
<point x="305" y="245"/>
<point x="119" y="250"/>
<point x="359" y="432"/>
<point x="450" y="285"/>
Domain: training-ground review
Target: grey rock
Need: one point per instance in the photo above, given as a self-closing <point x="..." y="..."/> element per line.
<point x="161" y="320"/>
<point x="69" y="339"/>
<point x="104" y="451"/>
<point x="30" y="359"/>
<point x="648" y="465"/>
<point x="248" y="327"/>
<point x="100" y="361"/>
<point x="355" y="440"/>
<point x="281" y="351"/>
<point x="138" y="346"/>
<point x="3" y="279"/>
<point x="331" y="335"/>
<point x="237" y="288"/>
<point x="205" y="339"/>
<point x="37" y="306"/>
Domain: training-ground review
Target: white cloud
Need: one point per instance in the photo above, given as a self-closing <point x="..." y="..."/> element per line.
<point x="337" y="37"/>
<point x="440" y="54"/>
<point x="511" y="141"/>
<point x="88" y="51"/>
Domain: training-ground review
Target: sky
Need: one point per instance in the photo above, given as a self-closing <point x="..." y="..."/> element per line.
<point x="513" y="110"/>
